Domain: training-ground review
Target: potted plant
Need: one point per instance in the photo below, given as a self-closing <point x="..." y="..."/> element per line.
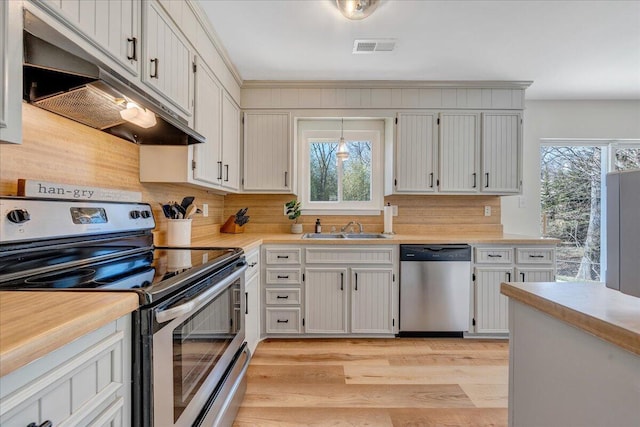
<point x="293" y="213"/>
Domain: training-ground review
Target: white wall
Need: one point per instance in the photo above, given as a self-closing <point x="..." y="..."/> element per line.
<point x="562" y="119"/>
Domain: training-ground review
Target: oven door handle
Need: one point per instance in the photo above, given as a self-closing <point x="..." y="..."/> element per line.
<point x="165" y="315"/>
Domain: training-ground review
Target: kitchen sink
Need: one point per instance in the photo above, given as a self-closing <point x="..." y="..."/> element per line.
<point x="345" y="236"/>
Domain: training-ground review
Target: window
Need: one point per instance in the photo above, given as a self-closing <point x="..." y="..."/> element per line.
<point x="573" y="195"/>
<point x="329" y="184"/>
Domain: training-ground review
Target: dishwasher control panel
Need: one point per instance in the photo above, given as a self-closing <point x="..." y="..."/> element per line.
<point x="435" y="253"/>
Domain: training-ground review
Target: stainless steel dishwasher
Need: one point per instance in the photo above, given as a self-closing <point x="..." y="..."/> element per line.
<point x="435" y="289"/>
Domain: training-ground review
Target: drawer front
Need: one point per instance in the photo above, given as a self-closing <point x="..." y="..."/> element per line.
<point x="534" y="255"/>
<point x="283" y="296"/>
<point x="283" y="256"/>
<point x="347" y="255"/>
<point x="283" y="276"/>
<point x="253" y="264"/>
<point x="494" y="255"/>
<point x="283" y="320"/>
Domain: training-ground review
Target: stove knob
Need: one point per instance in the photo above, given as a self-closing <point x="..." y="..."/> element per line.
<point x="134" y="214"/>
<point x="18" y="216"/>
<point x="145" y="214"/>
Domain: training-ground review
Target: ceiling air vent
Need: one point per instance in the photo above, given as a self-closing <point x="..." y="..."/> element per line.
<point x="374" y="46"/>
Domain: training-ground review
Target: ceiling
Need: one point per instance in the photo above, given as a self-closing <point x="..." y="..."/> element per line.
<point x="569" y="49"/>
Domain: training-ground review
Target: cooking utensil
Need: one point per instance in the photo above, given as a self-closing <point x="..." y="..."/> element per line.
<point x="181" y="210"/>
<point x="187" y="201"/>
<point x="166" y="210"/>
<point x="191" y="210"/>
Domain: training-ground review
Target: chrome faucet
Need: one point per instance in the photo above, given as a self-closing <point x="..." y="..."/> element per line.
<point x="351" y="224"/>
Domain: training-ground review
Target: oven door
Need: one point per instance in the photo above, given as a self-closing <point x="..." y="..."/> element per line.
<point x="192" y="350"/>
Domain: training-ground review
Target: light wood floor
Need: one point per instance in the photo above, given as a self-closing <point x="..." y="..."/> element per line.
<point x="377" y="382"/>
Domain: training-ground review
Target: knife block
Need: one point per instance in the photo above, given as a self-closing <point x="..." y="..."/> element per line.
<point x="231" y="227"/>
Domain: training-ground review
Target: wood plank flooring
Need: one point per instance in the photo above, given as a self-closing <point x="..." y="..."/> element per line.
<point x="377" y="382"/>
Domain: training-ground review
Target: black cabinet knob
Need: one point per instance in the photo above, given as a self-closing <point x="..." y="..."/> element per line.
<point x="18" y="216"/>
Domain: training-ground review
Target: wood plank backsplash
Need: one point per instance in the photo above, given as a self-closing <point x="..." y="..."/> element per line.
<point x="61" y="150"/>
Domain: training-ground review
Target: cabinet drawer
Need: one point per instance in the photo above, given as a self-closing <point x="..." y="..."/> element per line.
<point x="283" y="320"/>
<point x="283" y="276"/>
<point x="253" y="264"/>
<point x="349" y="255"/>
<point x="283" y="256"/>
<point x="534" y="255"/>
<point x="283" y="296"/>
<point x="494" y="255"/>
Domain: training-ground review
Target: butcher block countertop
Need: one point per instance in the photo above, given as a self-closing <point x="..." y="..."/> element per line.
<point x="249" y="241"/>
<point x="33" y="324"/>
<point x="591" y="307"/>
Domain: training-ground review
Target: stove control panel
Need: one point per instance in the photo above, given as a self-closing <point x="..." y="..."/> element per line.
<point x="23" y="219"/>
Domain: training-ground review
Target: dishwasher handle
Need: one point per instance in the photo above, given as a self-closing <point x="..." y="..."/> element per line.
<point x="435" y="253"/>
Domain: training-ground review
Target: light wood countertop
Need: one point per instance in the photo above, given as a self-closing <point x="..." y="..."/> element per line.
<point x="33" y="324"/>
<point x="594" y="308"/>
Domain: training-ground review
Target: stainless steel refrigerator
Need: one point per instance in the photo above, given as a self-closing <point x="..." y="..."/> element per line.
<point x="623" y="232"/>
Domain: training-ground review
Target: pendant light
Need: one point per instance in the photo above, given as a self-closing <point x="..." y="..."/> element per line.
<point x="342" y="153"/>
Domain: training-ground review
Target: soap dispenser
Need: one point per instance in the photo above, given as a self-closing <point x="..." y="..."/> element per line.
<point x="318" y="226"/>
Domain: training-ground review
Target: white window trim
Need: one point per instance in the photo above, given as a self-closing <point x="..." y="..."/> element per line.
<point x="354" y="130"/>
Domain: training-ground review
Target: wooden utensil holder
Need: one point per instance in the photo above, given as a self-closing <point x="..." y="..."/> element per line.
<point x="231" y="227"/>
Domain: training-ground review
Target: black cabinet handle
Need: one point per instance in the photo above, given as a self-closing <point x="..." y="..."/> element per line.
<point x="286" y="181"/>
<point x="226" y="167"/>
<point x="246" y="303"/>
<point x="253" y="264"/>
<point x="134" y="43"/>
<point x="282" y="297"/>
<point x="486" y="176"/>
<point x="494" y="256"/>
<point x="44" y="424"/>
<point x="154" y="75"/>
<point x="536" y="256"/>
<point x="522" y="275"/>
<point x="283" y="277"/>
<point x="219" y="170"/>
<point x="508" y="276"/>
<point x="283" y="257"/>
<point x="431" y="180"/>
<point x="342" y="281"/>
<point x="474" y="180"/>
<point x="283" y="321"/>
<point x="356" y="281"/>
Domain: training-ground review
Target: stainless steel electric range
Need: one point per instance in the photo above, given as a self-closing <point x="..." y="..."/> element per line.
<point x="189" y="351"/>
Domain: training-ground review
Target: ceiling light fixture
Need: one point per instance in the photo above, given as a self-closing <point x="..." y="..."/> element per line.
<point x="138" y="115"/>
<point x="342" y="153"/>
<point x="357" y="9"/>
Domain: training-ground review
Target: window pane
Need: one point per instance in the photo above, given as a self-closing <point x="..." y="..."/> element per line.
<point x="570" y="197"/>
<point x="627" y="158"/>
<point x="323" y="171"/>
<point x="356" y="180"/>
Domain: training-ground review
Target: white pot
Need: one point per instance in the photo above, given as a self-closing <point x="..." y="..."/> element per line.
<point x="296" y="228"/>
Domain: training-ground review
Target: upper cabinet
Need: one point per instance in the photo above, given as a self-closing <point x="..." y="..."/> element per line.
<point x="468" y="153"/>
<point x="111" y="26"/>
<point x="267" y="152"/>
<point x="11" y="72"/>
<point x="167" y="59"/>
<point x="230" y="143"/>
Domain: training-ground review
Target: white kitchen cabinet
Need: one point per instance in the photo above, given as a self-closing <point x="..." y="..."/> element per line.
<point x="491" y="307"/>
<point x="535" y="274"/>
<point x="230" y="153"/>
<point x="501" y="146"/>
<point x="281" y="290"/>
<point x="326" y="296"/>
<point x="111" y="26"/>
<point x="167" y="66"/>
<point x="459" y="152"/>
<point x="11" y="72"/>
<point x="371" y="300"/>
<point x="416" y="151"/>
<point x="86" y="382"/>
<point x="267" y="153"/>
<point x="252" y="299"/>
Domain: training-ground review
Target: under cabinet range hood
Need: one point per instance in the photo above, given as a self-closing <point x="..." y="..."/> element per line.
<point x="61" y="77"/>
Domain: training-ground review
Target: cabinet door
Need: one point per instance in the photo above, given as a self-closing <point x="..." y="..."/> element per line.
<point x="459" y="141"/>
<point x="326" y="300"/>
<point x="267" y="152"/>
<point x="371" y="297"/>
<point x="535" y="275"/>
<point x="11" y="72"/>
<point x="252" y="312"/>
<point x="230" y="143"/>
<point x="208" y="96"/>
<point x="111" y="25"/>
<point x="500" y="152"/>
<point x="416" y="153"/>
<point x="168" y="60"/>
<point x="492" y="312"/>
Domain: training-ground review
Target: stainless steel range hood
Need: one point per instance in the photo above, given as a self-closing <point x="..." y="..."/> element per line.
<point x="62" y="78"/>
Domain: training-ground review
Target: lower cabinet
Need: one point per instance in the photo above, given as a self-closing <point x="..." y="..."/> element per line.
<point x="496" y="264"/>
<point x="371" y="301"/>
<point x="84" y="383"/>
<point x="326" y="296"/>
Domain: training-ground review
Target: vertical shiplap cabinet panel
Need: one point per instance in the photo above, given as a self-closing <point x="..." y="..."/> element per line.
<point x="459" y="145"/>
<point x="267" y="152"/>
<point x="371" y="296"/>
<point x="230" y="143"/>
<point x="208" y="96"/>
<point x="535" y="275"/>
<point x="112" y="26"/>
<point x="492" y="315"/>
<point x="416" y="153"/>
<point x="500" y="152"/>
<point x="325" y="300"/>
